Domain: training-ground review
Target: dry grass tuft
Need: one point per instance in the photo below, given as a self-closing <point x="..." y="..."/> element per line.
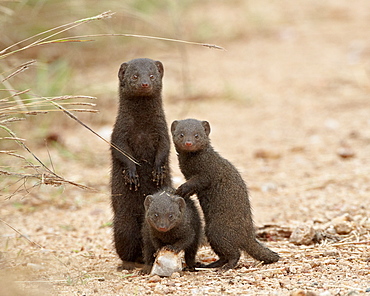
<point x="17" y="105"/>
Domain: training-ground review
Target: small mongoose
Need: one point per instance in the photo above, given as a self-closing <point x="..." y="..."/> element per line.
<point x="222" y="194"/>
<point x="172" y="223"/>
<point x="141" y="132"/>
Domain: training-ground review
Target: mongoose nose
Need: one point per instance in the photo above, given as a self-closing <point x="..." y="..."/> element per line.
<point x="145" y="85"/>
<point x="188" y="143"/>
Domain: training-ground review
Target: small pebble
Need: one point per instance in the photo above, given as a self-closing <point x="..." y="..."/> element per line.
<point x="302" y="235"/>
<point x="344" y="227"/>
<point x="266" y="187"/>
<point x="267" y="154"/>
<point x="343" y="224"/>
<point x="298" y="293"/>
<point x="302" y="293"/>
<point x="36" y="267"/>
<point x="345" y="152"/>
<point x="331" y="124"/>
<point x="118" y="287"/>
<point x="326" y="293"/>
<point x="154" y="279"/>
<point x="365" y="222"/>
<point x="294" y="269"/>
<point x="175" y="275"/>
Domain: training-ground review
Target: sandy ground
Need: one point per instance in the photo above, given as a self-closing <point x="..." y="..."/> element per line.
<point x="289" y="106"/>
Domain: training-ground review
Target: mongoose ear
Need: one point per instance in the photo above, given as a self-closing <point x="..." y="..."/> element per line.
<point x="207" y="127"/>
<point x="160" y="67"/>
<point x="122" y="70"/>
<point x="173" y="126"/>
<point x="181" y="203"/>
<point x="148" y="201"/>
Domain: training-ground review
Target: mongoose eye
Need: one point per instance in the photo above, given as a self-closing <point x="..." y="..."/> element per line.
<point x="151" y="76"/>
<point x="196" y="136"/>
<point x="170" y="216"/>
<point x="156" y="215"/>
<point x="135" y="77"/>
<point x="181" y="135"/>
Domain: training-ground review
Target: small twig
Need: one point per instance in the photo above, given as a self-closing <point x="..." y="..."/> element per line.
<point x="40" y="281"/>
<point x="254" y="269"/>
<point x="269" y="270"/>
<point x="350" y="243"/>
<point x="259" y="264"/>
<point x="346" y="287"/>
<point x="17" y="231"/>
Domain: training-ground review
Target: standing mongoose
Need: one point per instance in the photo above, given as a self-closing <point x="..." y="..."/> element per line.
<point x="170" y="222"/>
<point x="222" y="194"/>
<point x="140" y="131"/>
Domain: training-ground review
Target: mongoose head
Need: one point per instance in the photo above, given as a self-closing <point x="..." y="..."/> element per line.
<point x="164" y="211"/>
<point x="141" y="77"/>
<point x="190" y="135"/>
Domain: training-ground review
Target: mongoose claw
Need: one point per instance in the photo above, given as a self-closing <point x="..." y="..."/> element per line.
<point x="131" y="179"/>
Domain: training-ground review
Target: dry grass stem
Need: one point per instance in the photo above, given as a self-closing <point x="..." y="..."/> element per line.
<point x="12" y="154"/>
<point x="18" y="106"/>
<point x="60" y="29"/>
<point x="72" y="39"/>
<point x="44" y="179"/>
<point x="12" y="138"/>
<point x="350" y="243"/>
<point x="19" y="69"/>
<point x="48" y="178"/>
<point x="10" y="120"/>
<point x="17" y="231"/>
<point x="16" y="93"/>
<point x="41" y="102"/>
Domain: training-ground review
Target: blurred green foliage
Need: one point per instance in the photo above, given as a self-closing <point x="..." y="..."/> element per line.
<point x="51" y="79"/>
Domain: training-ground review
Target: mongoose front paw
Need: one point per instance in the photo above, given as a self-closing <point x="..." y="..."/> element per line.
<point x="131" y="179"/>
<point x="184" y="191"/>
<point x="172" y="248"/>
<point x="159" y="174"/>
<point x="146" y="269"/>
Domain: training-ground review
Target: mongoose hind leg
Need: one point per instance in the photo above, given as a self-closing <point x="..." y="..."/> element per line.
<point x="223" y="263"/>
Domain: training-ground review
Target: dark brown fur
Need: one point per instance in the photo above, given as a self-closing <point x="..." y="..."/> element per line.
<point x="173" y="223"/>
<point x="222" y="194"/>
<point x="141" y="131"/>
